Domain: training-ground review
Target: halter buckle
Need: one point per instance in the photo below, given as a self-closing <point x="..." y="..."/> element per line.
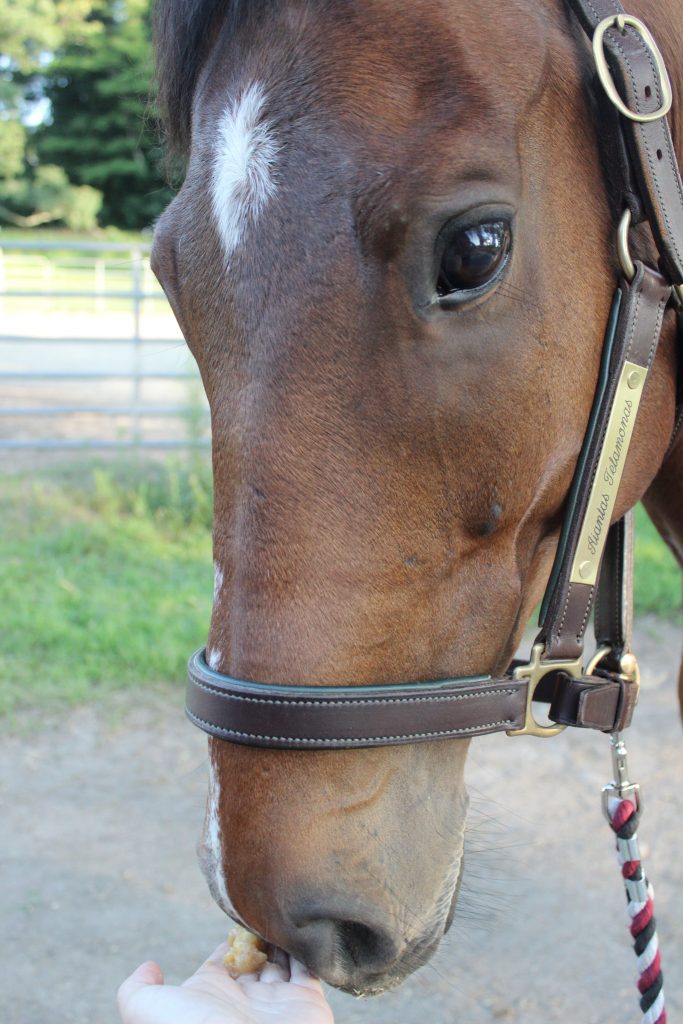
<point x="620" y="21"/>
<point x="535" y="671"/>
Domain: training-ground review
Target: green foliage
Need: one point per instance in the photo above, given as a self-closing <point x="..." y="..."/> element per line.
<point x="103" y="132"/>
<point x="91" y="59"/>
<point x="31" y="28"/>
<point x="48" y="196"/>
<point x="81" y="207"/>
<point x="12" y="147"/>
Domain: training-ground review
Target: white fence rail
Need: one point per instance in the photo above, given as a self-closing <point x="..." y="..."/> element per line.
<point x="90" y="353"/>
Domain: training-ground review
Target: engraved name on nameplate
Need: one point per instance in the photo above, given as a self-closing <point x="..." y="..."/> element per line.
<point x="605" y="487"/>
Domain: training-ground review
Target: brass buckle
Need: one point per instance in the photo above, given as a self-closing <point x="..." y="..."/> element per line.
<point x="535" y="671"/>
<point x="621" y="21"/>
<point x="538" y="669"/>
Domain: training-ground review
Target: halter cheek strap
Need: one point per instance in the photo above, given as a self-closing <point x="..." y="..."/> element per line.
<point x="592" y="557"/>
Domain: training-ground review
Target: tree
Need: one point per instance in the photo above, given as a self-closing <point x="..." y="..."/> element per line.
<point x="12" y="148"/>
<point x="29" y="31"/>
<point x="103" y="131"/>
<point x="49" y="196"/>
<point x="89" y="63"/>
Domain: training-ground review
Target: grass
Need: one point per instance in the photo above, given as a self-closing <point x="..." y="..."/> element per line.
<point x="658" y="581"/>
<point x="106" y="579"/>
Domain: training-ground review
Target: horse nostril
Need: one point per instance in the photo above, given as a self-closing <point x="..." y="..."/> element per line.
<point x="343" y="951"/>
<point x="367" y="948"/>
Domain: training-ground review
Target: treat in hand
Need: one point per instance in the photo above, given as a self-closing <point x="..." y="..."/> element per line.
<point x="246" y="953"/>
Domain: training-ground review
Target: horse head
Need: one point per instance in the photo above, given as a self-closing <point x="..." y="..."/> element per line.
<point x="392" y="257"/>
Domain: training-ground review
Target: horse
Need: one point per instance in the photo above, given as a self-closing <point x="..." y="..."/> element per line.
<point x="392" y="256"/>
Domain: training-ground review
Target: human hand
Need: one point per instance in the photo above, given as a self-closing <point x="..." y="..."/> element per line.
<point x="211" y="996"/>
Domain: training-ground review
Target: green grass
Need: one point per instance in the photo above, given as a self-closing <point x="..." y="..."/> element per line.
<point x="106" y="582"/>
<point x="106" y="579"/>
<point x="659" y="584"/>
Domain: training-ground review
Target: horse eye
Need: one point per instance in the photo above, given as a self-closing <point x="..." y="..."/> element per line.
<point x="471" y="258"/>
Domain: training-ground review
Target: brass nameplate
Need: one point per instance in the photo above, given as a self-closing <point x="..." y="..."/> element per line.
<point x="608" y="476"/>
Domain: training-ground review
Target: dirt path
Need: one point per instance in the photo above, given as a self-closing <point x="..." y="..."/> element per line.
<point x="101" y="809"/>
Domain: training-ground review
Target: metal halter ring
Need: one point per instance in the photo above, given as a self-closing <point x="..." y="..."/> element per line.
<point x="624" y="252"/>
<point x="627" y="265"/>
<point x="621" y="21"/>
<point x="629" y="670"/>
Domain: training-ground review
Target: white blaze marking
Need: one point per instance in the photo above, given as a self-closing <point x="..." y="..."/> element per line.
<point x="217" y="581"/>
<point x="213" y="846"/>
<point x="243" y="163"/>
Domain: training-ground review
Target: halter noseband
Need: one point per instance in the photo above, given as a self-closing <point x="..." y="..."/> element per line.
<point x="593" y="561"/>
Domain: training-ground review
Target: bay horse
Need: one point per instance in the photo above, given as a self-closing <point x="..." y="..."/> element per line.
<point x="392" y="258"/>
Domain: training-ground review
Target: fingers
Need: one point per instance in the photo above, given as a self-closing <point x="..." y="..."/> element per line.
<point x="286" y="970"/>
<point x="269" y="973"/>
<point x="300" y="975"/>
<point x="142" y="977"/>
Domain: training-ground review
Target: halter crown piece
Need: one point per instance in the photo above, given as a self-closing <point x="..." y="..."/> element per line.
<point x="594" y="562"/>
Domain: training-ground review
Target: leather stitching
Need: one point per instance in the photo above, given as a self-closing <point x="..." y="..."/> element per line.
<point x="617" y="9"/>
<point x="432" y="698"/>
<point x="657" y="327"/>
<point x="634" y="321"/>
<point x="582" y="627"/>
<point x="345" y="740"/>
<point x="564" y="612"/>
<point x="618" y="603"/>
<point x="598" y="606"/>
<point x="662" y="128"/>
<point x="657" y="332"/>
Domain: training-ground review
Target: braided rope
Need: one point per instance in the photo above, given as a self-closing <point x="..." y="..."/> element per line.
<point x="624" y="816"/>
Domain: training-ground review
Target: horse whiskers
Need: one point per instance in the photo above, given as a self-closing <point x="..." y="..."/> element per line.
<point x="481" y="799"/>
<point x="426" y="925"/>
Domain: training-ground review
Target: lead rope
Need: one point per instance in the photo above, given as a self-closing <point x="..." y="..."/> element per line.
<point x="623" y="805"/>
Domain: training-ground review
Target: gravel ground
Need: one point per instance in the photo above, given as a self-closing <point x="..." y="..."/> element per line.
<point x="101" y="808"/>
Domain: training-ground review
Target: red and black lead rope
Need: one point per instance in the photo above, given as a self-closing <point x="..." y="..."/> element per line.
<point x="624" y="817"/>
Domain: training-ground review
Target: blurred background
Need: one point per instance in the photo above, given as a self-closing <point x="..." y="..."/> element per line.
<point x="106" y="490"/>
<point x="106" y="584"/>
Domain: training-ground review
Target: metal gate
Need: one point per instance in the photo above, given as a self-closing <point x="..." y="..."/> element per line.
<point x="90" y="353"/>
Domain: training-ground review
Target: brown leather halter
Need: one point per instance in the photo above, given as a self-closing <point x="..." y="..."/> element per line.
<point x="593" y="565"/>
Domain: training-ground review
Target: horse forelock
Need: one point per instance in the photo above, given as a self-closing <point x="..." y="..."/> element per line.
<point x="184" y="33"/>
